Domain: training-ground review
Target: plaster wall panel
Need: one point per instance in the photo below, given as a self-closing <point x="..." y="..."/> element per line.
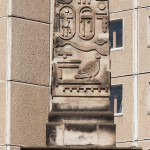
<point x="117" y="5"/>
<point x="2" y="111"/>
<point x="125" y="144"/>
<point x="121" y="60"/>
<point x="29" y="110"/>
<point x="145" y="144"/>
<point x="124" y="122"/>
<point x="3" y="8"/>
<point x="144" y="104"/>
<point x="31" y="9"/>
<point x="143" y="3"/>
<point x="2" y="148"/>
<point x="15" y="148"/>
<point x="3" y="47"/>
<point x="30" y="52"/>
<point x="144" y="34"/>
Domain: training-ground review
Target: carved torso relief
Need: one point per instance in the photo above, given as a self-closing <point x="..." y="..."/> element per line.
<point x="81" y="49"/>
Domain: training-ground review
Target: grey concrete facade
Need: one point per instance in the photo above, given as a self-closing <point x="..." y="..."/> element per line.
<point x="24" y="72"/>
<point x="130" y="68"/>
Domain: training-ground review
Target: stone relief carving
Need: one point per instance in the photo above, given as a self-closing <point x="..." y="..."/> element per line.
<point x="84" y="1"/>
<point x="79" y="49"/>
<point x="67" y="22"/>
<point x="99" y="45"/>
<point x="64" y="1"/>
<point x="90" y="70"/>
<point x="105" y="24"/>
<point x="101" y="9"/>
<point x="81" y="76"/>
<point x="86" y="27"/>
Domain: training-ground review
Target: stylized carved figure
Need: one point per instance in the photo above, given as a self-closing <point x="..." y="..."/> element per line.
<point x="100" y="45"/>
<point x="101" y="10"/>
<point x="90" y="70"/>
<point x="64" y="1"/>
<point x="84" y="1"/>
<point x="105" y="24"/>
<point x="86" y="28"/>
<point x="67" y="23"/>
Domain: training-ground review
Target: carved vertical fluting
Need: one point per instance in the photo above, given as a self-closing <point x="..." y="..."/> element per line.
<point x="81" y="75"/>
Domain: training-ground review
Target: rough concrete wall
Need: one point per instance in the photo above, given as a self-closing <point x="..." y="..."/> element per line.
<point x="24" y="72"/>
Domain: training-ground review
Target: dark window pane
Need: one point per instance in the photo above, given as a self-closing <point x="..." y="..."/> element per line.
<point x="116" y="93"/>
<point x="111" y="40"/>
<point x="116" y="27"/>
<point x="119" y="38"/>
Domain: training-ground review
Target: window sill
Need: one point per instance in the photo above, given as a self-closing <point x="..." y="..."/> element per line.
<point x="118" y="114"/>
<point x="116" y="49"/>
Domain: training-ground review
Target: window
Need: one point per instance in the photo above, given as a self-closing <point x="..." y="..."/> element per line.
<point x="148" y="100"/>
<point x="116" y="99"/>
<point x="116" y="36"/>
<point x="148" y="31"/>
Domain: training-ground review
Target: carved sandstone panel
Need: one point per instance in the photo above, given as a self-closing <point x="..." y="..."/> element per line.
<point x="81" y="49"/>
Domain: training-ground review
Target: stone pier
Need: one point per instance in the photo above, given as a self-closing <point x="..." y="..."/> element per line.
<point x="81" y="76"/>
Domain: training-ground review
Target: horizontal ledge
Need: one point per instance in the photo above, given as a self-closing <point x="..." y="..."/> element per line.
<point x="116" y="49"/>
<point x="118" y="114"/>
<point x="87" y="147"/>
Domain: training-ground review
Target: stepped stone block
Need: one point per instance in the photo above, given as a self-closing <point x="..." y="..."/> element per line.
<point x="82" y="104"/>
<point x="54" y="133"/>
<point x="80" y="75"/>
<point x="106" y="135"/>
<point x="85" y="116"/>
<point x="87" y="147"/>
<point x="79" y="133"/>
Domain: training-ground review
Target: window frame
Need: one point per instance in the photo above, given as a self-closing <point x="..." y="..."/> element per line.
<point x="119" y="48"/>
<point x="148" y="100"/>
<point x="119" y="114"/>
<point x="148" y="31"/>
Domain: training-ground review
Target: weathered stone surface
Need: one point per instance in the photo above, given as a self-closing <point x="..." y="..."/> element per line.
<point x="81" y="76"/>
<point x="80" y="133"/>
<point x="88" y="147"/>
<point x="106" y="135"/>
<point x="85" y="116"/>
<point x="80" y="104"/>
<point x="81" y="49"/>
<point x="55" y="133"/>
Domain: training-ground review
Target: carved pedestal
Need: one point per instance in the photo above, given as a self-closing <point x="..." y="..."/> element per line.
<point x="81" y="76"/>
<point x="80" y="118"/>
